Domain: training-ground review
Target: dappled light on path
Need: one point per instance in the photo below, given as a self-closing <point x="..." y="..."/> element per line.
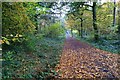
<point x="80" y="60"/>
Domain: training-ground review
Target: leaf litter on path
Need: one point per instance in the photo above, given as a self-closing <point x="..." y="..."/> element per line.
<point x="80" y="60"/>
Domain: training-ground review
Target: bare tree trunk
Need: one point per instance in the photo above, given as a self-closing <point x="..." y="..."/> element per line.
<point x="81" y="27"/>
<point x="71" y="32"/>
<point x="119" y="21"/>
<point x="94" y="22"/>
<point x="79" y="31"/>
<point x="81" y="24"/>
<point x="114" y="13"/>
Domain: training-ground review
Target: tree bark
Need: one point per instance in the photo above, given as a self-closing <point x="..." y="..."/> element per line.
<point x="114" y="13"/>
<point x="79" y="31"/>
<point x="94" y="22"/>
<point x="81" y="24"/>
<point x="71" y="32"/>
<point x="119" y="21"/>
<point x="81" y="27"/>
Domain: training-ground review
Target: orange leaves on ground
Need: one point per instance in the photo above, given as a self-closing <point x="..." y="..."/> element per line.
<point x="80" y="60"/>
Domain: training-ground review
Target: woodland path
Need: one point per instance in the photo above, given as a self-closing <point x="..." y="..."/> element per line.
<point x="80" y="60"/>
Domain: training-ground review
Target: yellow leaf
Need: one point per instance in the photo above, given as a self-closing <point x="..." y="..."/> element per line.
<point x="7" y="42"/>
<point x="13" y="39"/>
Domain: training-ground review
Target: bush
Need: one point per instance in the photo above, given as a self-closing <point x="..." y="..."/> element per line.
<point x="54" y="31"/>
<point x="15" y="22"/>
<point x="30" y="42"/>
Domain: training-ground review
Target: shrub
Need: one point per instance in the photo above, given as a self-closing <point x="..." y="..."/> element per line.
<point x="15" y="22"/>
<point x="30" y="42"/>
<point x="54" y="31"/>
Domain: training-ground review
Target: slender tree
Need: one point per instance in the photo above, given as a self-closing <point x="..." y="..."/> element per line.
<point x="81" y="27"/>
<point x="119" y="20"/>
<point x="94" y="22"/>
<point x="114" y="13"/>
<point x="77" y="10"/>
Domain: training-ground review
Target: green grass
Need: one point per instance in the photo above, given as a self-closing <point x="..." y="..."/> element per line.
<point x="40" y="63"/>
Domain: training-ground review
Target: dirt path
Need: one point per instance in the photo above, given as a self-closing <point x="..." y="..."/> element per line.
<point x="80" y="60"/>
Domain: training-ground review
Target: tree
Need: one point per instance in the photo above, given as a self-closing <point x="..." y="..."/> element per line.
<point x="119" y="20"/>
<point x="77" y="10"/>
<point x="81" y="26"/>
<point x="36" y="9"/>
<point x="94" y="22"/>
<point x="70" y="22"/>
<point x="114" y="13"/>
<point x="15" y="21"/>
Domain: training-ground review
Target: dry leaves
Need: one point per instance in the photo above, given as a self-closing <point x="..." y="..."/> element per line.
<point x="80" y="60"/>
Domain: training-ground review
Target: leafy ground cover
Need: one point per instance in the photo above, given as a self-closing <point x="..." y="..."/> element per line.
<point x="81" y="60"/>
<point x="18" y="62"/>
<point x="111" y="45"/>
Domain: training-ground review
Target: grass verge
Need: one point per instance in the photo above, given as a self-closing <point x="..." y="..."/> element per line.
<point x="103" y="44"/>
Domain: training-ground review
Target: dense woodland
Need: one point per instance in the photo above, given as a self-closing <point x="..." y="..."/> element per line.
<point x="34" y="34"/>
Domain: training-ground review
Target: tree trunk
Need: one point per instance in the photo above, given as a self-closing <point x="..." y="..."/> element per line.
<point x="94" y="22"/>
<point x="81" y="27"/>
<point x="119" y="21"/>
<point x="71" y="32"/>
<point x="36" y="28"/>
<point x="79" y="31"/>
<point x="114" y="13"/>
<point x="81" y="24"/>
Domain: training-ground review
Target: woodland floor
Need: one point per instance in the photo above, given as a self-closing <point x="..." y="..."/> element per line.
<point x="80" y="60"/>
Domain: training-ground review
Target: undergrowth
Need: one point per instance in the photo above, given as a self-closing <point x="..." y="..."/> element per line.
<point x="19" y="62"/>
<point x="103" y="44"/>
